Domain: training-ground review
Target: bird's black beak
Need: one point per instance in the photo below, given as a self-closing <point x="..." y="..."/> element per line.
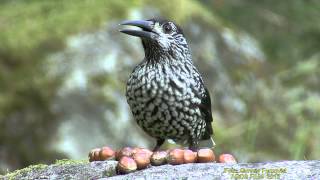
<point x="145" y="32"/>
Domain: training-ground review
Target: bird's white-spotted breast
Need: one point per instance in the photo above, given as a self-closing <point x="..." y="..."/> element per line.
<point x="161" y="98"/>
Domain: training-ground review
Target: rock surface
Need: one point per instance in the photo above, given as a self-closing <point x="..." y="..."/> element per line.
<point x="106" y="170"/>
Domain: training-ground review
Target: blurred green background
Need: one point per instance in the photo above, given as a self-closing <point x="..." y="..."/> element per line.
<point x="64" y="65"/>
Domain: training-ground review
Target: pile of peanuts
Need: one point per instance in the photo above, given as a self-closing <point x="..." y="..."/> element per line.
<point x="132" y="159"/>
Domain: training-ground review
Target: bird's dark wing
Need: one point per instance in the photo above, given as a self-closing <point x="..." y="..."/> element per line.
<point x="205" y="109"/>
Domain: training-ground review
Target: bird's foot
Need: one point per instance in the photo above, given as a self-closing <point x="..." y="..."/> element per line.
<point x="158" y="144"/>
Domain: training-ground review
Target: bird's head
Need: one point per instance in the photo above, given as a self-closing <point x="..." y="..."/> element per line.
<point x="160" y="38"/>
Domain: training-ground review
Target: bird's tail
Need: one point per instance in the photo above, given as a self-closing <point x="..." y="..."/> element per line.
<point x="207" y="143"/>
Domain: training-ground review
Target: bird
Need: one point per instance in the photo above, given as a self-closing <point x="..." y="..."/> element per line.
<point x="165" y="91"/>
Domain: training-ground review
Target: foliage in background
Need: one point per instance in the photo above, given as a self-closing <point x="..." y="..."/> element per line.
<point x="30" y="30"/>
<point x="284" y="100"/>
<point x="281" y="97"/>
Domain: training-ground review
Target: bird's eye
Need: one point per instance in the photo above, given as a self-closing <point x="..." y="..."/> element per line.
<point x="167" y="28"/>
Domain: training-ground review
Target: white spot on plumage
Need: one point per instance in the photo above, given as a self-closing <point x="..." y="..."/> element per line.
<point x="151" y="106"/>
<point x="174" y="113"/>
<point x="164" y="106"/>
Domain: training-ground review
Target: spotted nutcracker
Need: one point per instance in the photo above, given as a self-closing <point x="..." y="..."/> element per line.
<point x="165" y="92"/>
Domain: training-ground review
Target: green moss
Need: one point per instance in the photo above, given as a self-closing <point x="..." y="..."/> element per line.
<point x="22" y="172"/>
<point x="70" y="161"/>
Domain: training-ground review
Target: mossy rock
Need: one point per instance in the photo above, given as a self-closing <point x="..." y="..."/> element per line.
<point x="65" y="169"/>
<point x="71" y="169"/>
